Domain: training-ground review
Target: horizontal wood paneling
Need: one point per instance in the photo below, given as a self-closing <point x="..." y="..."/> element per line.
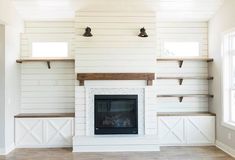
<point x="183" y="31"/>
<point x="47" y="31"/>
<point x="46" y="90"/>
<point x="115" y="42"/>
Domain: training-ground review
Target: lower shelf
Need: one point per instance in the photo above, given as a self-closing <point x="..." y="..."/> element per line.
<point x="161" y="114"/>
<point x="44" y="115"/>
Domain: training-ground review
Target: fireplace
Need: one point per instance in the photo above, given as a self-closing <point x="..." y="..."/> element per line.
<point x="116" y="114"/>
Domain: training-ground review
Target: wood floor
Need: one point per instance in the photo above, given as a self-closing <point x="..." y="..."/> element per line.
<point x="166" y="153"/>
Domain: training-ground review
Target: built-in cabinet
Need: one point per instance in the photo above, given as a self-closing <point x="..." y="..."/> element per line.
<point x="186" y="130"/>
<point x="44" y="132"/>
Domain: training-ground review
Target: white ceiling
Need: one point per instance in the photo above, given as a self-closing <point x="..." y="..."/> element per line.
<point x="166" y="10"/>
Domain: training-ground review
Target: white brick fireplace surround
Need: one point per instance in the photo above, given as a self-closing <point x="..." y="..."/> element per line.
<point x="86" y="141"/>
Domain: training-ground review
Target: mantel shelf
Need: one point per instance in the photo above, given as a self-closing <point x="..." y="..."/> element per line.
<point x="180" y="79"/>
<point x="180" y="60"/>
<point x="149" y="77"/>
<point x="47" y="60"/>
<point x="181" y="96"/>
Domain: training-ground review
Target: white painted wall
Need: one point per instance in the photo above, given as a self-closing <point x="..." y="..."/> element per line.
<point x="222" y="21"/>
<point x="13" y="27"/>
<point x="12" y="83"/>
<point x="2" y="87"/>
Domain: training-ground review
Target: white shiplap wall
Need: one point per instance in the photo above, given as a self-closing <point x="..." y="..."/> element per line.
<point x="46" y="90"/>
<point x="182" y="31"/>
<point x="47" y="31"/>
<point x="115" y="46"/>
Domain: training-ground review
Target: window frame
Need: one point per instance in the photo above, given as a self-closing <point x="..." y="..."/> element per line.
<point x="199" y="41"/>
<point x="227" y="78"/>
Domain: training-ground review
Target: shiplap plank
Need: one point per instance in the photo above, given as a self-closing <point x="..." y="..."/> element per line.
<point x="114" y="19"/>
<point x="106" y="25"/>
<point x="114" y="14"/>
<point x="116" y="32"/>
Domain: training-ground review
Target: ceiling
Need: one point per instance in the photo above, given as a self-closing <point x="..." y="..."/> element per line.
<point x="166" y="10"/>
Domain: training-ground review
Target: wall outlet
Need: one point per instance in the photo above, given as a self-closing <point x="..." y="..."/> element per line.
<point x="229" y="136"/>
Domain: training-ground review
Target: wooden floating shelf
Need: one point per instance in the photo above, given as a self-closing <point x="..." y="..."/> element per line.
<point x="47" y="60"/>
<point x="180" y="79"/>
<point x="44" y="115"/>
<point x="181" y="96"/>
<point x="161" y="114"/>
<point x="149" y="77"/>
<point x="181" y="60"/>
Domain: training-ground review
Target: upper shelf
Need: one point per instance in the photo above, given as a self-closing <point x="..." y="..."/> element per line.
<point x="47" y="60"/>
<point x="180" y="60"/>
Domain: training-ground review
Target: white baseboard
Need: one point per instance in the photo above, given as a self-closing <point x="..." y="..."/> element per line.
<point x="225" y="148"/>
<point x="5" y="151"/>
<point x="2" y="151"/>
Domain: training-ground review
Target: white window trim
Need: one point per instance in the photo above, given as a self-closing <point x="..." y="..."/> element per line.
<point x="226" y="88"/>
<point x="180" y="40"/>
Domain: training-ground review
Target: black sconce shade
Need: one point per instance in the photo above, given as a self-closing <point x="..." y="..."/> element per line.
<point x="143" y="33"/>
<point x="87" y="32"/>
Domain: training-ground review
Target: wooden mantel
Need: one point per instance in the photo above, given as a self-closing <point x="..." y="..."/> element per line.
<point x="149" y="77"/>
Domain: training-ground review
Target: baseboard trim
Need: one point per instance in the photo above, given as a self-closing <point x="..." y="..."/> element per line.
<point x="5" y="151"/>
<point x="225" y="148"/>
<point x="2" y="151"/>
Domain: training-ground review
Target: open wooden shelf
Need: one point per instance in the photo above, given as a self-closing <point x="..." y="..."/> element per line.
<point x="47" y="60"/>
<point x="181" y="96"/>
<point x="180" y="60"/>
<point x="44" y="115"/>
<point x="180" y="79"/>
<point x="161" y="114"/>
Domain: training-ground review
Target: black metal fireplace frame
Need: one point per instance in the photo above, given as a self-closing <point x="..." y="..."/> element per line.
<point x="124" y="130"/>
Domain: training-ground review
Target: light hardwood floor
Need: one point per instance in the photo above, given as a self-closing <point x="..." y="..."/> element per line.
<point x="166" y="153"/>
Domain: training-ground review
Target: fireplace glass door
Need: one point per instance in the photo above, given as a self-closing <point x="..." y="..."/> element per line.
<point x="116" y="114"/>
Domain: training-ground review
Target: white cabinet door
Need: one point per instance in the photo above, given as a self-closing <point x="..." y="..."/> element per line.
<point x="28" y="132"/>
<point x="43" y="132"/>
<point x="186" y="130"/>
<point x="58" y="132"/>
<point x="171" y="130"/>
<point x="200" y="129"/>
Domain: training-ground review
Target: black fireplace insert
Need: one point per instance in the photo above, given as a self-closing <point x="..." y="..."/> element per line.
<point x="116" y="114"/>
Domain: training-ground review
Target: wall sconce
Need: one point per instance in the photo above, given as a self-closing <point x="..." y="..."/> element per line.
<point x="87" y="32"/>
<point x="143" y="33"/>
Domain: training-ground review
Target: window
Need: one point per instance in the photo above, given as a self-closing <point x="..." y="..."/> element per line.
<point x="50" y="49"/>
<point x="228" y="55"/>
<point x="181" y="49"/>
